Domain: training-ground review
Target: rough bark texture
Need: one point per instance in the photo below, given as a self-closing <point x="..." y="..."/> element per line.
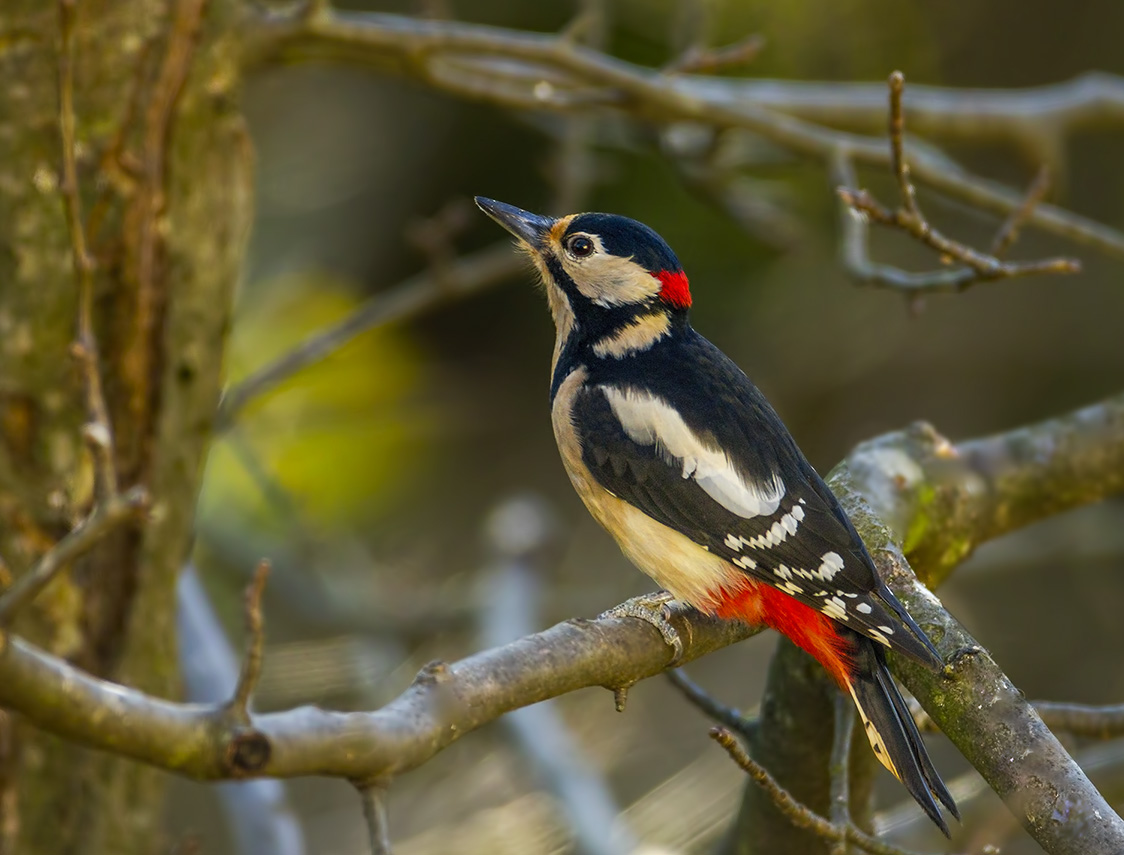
<point x="167" y="225"/>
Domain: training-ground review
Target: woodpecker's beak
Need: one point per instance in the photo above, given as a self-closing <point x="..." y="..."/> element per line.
<point x="529" y="228"/>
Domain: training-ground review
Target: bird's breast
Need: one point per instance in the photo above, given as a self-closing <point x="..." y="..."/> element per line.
<point x="679" y="565"/>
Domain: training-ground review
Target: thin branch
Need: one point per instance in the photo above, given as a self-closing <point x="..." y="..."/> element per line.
<point x="898" y="165"/>
<point x="798" y="814"/>
<point x="98" y="431"/>
<point x="1094" y="722"/>
<point x="1033" y="119"/>
<point x="982" y="267"/>
<point x="374" y="812"/>
<point x="1009" y="232"/>
<point x="259" y="813"/>
<point x="106" y="516"/>
<point x="465" y="59"/>
<point x="975" y="266"/>
<point x="855" y="250"/>
<point x="255" y="646"/>
<point x="840" y="769"/>
<point x="732" y="718"/>
<point x="696" y="59"/>
<point x="1091" y="721"/>
<point x="462" y="277"/>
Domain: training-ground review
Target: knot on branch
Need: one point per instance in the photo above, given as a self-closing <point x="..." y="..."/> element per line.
<point x="432" y="673"/>
<point x="247" y="753"/>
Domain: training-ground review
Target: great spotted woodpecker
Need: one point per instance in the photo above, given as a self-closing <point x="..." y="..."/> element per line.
<point x="679" y="456"/>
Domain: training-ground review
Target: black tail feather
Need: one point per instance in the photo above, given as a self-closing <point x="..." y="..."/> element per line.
<point x="893" y="734"/>
<point x="925" y="653"/>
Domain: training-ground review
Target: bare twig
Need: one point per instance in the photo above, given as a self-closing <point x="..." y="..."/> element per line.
<point x="462" y="58"/>
<point x="840" y="768"/>
<point x="1009" y="232"/>
<point x="855" y="252"/>
<point x="462" y="277"/>
<point x="98" y="431"/>
<point x="981" y="267"/>
<point x="259" y="813"/>
<point x="898" y="165"/>
<point x="255" y="645"/>
<point x="975" y="266"/>
<point x="732" y="718"/>
<point x="798" y="814"/>
<point x="697" y="59"/>
<point x="374" y="812"/>
<point x="105" y="517"/>
<point x="1095" y="722"/>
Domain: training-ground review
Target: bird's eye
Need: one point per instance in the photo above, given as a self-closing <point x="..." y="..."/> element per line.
<point x="580" y="246"/>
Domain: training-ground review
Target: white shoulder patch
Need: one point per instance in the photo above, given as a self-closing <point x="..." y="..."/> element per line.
<point x="649" y="420"/>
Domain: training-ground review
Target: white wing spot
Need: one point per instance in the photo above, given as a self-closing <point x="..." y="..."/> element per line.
<point x="791" y="588"/>
<point x="832" y="564"/>
<point x="835" y="609"/>
<point x="877" y="636"/>
<point x="889" y="630"/>
<point x="745" y="562"/>
<point x="650" y="420"/>
<point x="864" y="608"/>
<point x="783" y="573"/>
<point x="733" y="542"/>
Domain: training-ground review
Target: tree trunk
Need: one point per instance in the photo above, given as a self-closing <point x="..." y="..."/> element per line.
<point x="164" y="180"/>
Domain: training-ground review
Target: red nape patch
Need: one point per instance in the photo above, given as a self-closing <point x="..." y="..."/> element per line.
<point x="675" y="290"/>
<point x="808" y="628"/>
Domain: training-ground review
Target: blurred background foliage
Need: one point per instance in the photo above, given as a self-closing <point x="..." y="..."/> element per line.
<point x="367" y="478"/>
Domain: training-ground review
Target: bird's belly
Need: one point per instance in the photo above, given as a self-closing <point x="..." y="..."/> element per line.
<point x="678" y="564"/>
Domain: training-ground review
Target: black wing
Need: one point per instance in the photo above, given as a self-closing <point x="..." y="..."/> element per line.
<point x="696" y="447"/>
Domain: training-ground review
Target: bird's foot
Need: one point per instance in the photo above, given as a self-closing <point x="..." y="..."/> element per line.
<point x="652" y="609"/>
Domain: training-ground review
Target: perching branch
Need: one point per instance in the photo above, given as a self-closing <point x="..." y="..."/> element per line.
<point x="536" y="71"/>
<point x="973" y="702"/>
<point x="444" y="703"/>
<point x="898" y="480"/>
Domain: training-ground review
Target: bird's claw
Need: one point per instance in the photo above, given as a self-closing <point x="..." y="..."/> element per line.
<point x="652" y="609"/>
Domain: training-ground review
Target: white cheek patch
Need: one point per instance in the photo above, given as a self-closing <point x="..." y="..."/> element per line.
<point x="609" y="280"/>
<point x="649" y="420"/>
